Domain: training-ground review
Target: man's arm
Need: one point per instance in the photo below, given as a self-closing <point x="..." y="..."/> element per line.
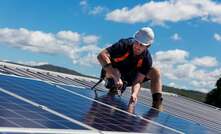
<point x="136" y="87"/>
<point x="104" y="58"/>
<point x="105" y="61"/>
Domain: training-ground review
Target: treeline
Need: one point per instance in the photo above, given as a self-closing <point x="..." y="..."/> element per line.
<point x="214" y="96"/>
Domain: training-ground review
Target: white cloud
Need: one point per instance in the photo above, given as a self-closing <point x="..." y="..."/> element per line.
<point x="217" y="37"/>
<point x="88" y="60"/>
<point x="172" y="56"/>
<point x="69" y="36"/>
<point x="97" y="10"/>
<point x="83" y="3"/>
<point x="88" y="9"/>
<point x="203" y="85"/>
<point x="90" y="39"/>
<point x="172" y="84"/>
<point x="176" y="37"/>
<point x="176" y="67"/>
<point x="184" y="71"/>
<point x="205" y="75"/>
<point x="168" y="11"/>
<point x="215" y="74"/>
<point x="206" y="61"/>
<point x="71" y="44"/>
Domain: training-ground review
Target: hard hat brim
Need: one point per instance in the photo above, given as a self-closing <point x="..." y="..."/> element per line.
<point x="145" y="44"/>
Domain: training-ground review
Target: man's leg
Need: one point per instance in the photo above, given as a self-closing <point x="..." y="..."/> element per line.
<point x="156" y="87"/>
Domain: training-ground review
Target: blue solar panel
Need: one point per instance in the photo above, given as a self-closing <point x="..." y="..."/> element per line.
<point x="88" y="111"/>
<point x="146" y="112"/>
<point x="16" y="113"/>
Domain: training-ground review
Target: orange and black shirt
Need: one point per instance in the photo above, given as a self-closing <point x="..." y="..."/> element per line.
<point x="122" y="57"/>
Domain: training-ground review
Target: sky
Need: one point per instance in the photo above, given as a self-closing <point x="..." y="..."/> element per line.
<point x="71" y="33"/>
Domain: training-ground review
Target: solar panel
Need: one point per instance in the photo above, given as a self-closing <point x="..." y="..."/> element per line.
<point x="146" y="112"/>
<point x="17" y="113"/>
<point x="14" y="71"/>
<point x="79" y="108"/>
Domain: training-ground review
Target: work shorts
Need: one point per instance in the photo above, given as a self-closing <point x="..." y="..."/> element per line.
<point x="130" y="77"/>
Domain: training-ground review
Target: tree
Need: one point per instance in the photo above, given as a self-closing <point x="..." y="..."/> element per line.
<point x="218" y="83"/>
<point x="214" y="96"/>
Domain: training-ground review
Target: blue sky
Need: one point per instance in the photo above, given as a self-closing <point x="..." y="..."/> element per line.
<point x="70" y="33"/>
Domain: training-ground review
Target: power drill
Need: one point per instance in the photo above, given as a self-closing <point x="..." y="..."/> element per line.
<point x="109" y="84"/>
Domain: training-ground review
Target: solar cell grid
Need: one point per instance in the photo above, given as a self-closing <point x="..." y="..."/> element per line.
<point x="15" y="72"/>
<point x="68" y="80"/>
<point x="61" y="79"/>
<point x="48" y="77"/>
<point x="32" y="75"/>
<point x="189" y="113"/>
<point x="73" y="81"/>
<point x="148" y="113"/>
<point x="145" y="101"/>
<point x="82" y="82"/>
<point x="188" y="109"/>
<point x="3" y="71"/>
<point x="35" y="90"/>
<point x="16" y="113"/>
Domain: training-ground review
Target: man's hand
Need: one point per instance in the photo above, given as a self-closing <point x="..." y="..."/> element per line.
<point x="136" y="87"/>
<point x="115" y="74"/>
<point x="131" y="108"/>
<point x="118" y="83"/>
<point x="105" y="61"/>
<point x="133" y="99"/>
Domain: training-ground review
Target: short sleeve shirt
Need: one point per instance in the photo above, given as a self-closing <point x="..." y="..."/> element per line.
<point x="126" y="61"/>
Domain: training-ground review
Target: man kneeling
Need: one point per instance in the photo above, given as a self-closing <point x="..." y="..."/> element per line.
<point x="128" y="62"/>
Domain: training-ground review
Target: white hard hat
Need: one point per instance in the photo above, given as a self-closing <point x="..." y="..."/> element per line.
<point x="145" y="36"/>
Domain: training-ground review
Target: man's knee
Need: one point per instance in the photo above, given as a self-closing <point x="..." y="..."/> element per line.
<point x="154" y="73"/>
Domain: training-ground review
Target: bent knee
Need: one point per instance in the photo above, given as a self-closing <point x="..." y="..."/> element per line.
<point x="154" y="73"/>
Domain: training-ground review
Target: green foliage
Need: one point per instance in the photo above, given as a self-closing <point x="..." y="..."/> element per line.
<point x="218" y="83"/>
<point x="214" y="96"/>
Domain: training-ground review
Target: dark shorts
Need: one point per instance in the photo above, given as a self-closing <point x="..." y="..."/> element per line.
<point x="130" y="77"/>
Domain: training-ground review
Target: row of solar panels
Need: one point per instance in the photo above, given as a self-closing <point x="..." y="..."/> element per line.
<point x="40" y="75"/>
<point x="214" y="124"/>
<point x="74" y="104"/>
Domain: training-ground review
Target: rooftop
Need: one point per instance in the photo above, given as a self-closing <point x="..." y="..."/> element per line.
<point x="39" y="101"/>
